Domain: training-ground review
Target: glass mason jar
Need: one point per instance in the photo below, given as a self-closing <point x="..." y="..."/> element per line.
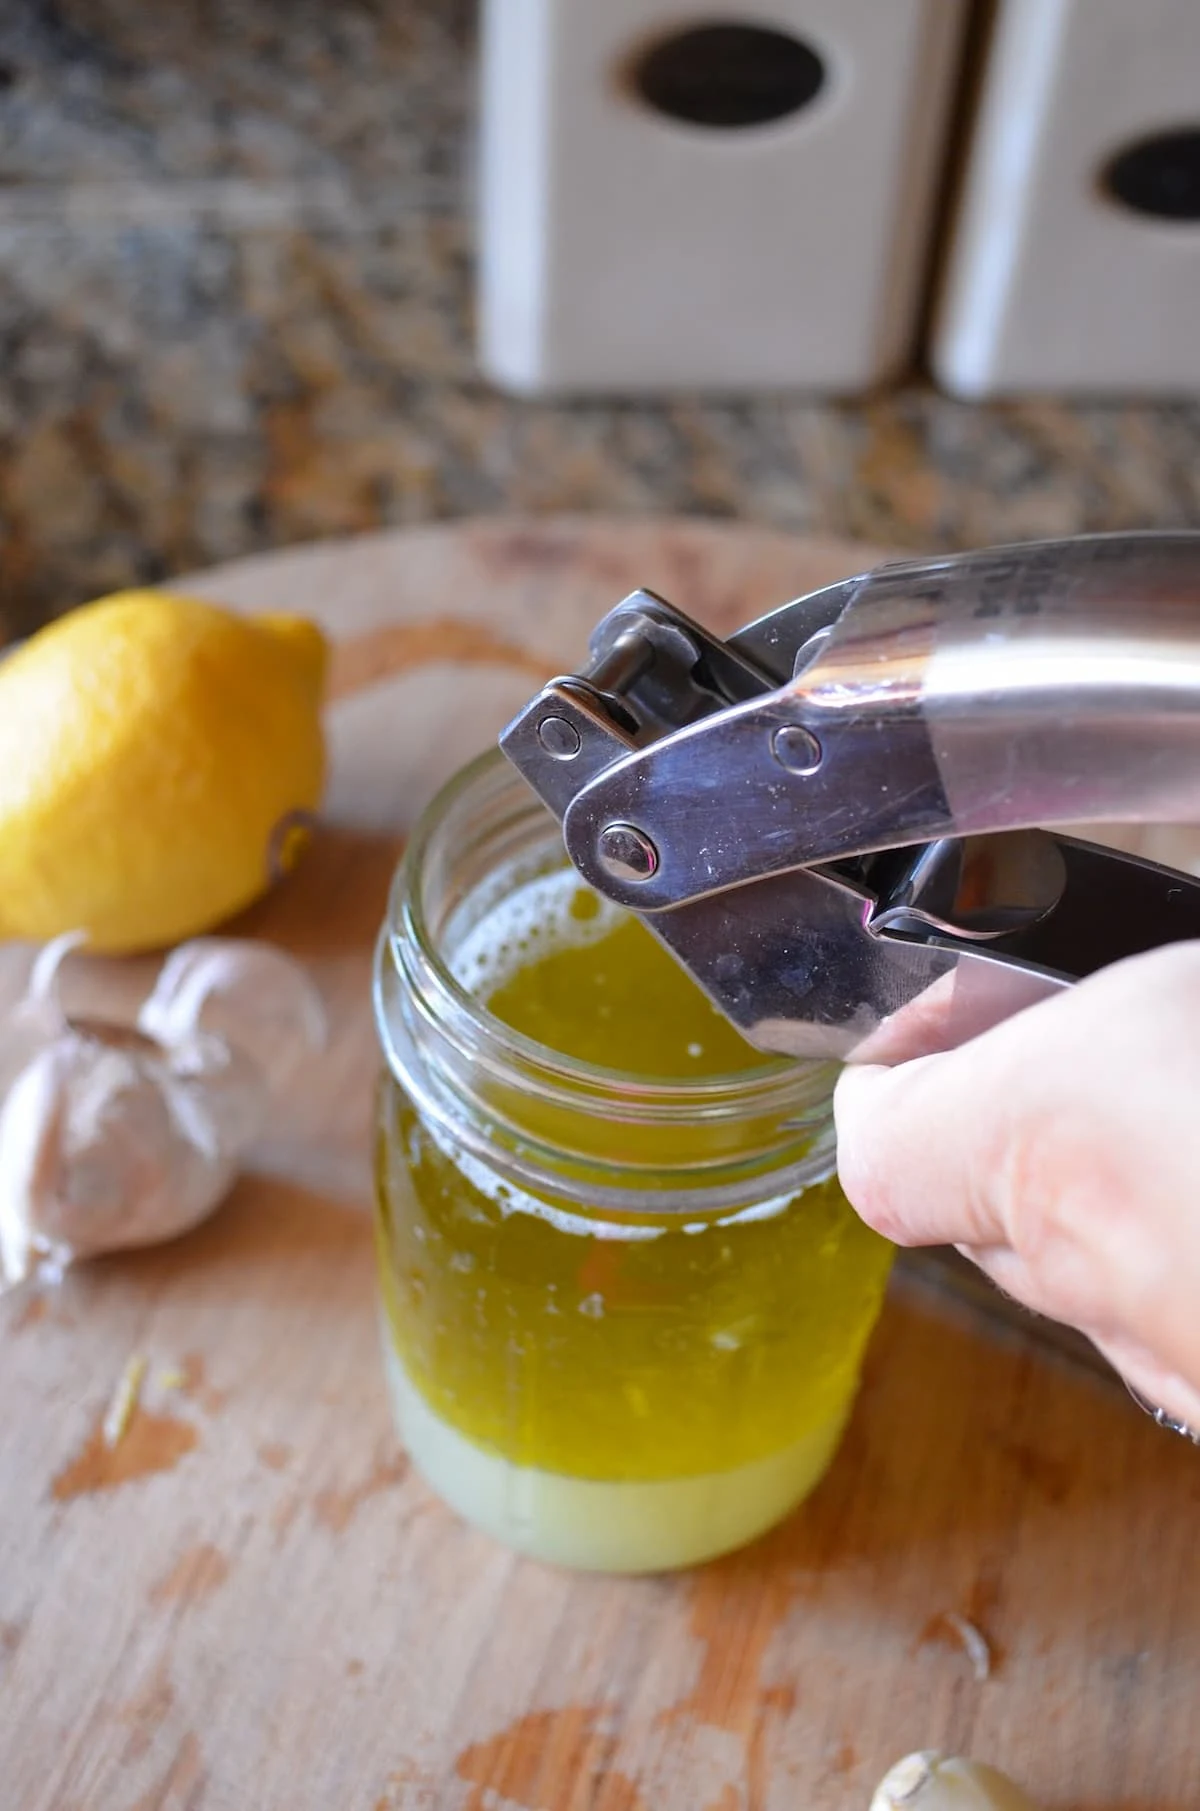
<point x="623" y="1318"/>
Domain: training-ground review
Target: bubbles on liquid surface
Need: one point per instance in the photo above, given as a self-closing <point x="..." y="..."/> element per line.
<point x="553" y="912"/>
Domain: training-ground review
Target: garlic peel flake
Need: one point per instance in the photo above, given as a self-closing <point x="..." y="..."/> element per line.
<point x="929" y="1781"/>
<point x="125" y="1400"/>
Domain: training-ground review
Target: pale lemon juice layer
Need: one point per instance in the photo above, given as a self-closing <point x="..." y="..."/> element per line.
<point x="624" y="1391"/>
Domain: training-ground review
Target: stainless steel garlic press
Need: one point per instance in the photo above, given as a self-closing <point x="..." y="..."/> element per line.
<point x="847" y="820"/>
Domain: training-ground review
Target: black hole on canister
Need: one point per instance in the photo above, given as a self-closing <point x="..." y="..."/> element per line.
<point x="1159" y="176"/>
<point x="728" y="75"/>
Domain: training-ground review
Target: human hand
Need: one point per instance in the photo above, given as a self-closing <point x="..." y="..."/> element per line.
<point x="1061" y="1151"/>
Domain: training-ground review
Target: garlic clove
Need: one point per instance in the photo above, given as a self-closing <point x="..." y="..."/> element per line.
<point x="218" y="1095"/>
<point x="30" y="1126"/>
<point x="16" y="966"/>
<point x="42" y="987"/>
<point x="31" y="1015"/>
<point x="929" y="1781"/>
<point x="253" y="996"/>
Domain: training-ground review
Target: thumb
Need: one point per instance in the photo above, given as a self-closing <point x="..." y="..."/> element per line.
<point x="916" y="1146"/>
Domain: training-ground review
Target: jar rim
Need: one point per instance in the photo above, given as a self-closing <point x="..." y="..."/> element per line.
<point x="748" y="1088"/>
<point x="539" y="1115"/>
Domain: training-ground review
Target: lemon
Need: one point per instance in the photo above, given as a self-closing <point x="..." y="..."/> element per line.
<point x="155" y="753"/>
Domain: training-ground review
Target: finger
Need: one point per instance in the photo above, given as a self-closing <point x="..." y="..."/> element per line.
<point x="915" y="1144"/>
<point x="1154" y="1382"/>
<point x="955" y="1008"/>
<point x="1066" y="1281"/>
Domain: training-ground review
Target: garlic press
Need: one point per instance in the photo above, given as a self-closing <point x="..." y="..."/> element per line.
<point x="853" y="821"/>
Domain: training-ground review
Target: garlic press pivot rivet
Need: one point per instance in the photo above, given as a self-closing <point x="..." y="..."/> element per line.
<point x="560" y="739"/>
<point x="626" y="853"/>
<point x="796" y="749"/>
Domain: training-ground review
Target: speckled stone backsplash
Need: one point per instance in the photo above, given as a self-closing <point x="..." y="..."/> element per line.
<point x="235" y="299"/>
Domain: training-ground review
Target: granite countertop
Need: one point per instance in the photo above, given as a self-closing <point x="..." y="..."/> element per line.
<point x="235" y="298"/>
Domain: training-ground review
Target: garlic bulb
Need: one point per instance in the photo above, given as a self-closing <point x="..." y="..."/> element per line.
<point x="254" y="997"/>
<point x="112" y="1137"/>
<point x="108" y="1140"/>
<point x="940" y="1782"/>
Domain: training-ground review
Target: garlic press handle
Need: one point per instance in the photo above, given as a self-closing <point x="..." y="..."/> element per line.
<point x="1048" y="685"/>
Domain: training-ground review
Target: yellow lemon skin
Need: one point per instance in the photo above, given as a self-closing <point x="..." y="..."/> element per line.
<point x="151" y="750"/>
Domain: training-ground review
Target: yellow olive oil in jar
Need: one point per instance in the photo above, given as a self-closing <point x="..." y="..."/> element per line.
<point x="625" y="1302"/>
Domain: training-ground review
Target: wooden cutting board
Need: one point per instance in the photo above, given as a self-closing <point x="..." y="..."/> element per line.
<point x="252" y="1604"/>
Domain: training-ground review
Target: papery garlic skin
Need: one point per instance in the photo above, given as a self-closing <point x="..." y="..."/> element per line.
<point x="16" y="966"/>
<point x="34" y="1018"/>
<point x="30" y="1121"/>
<point x="930" y="1781"/>
<point x="254" y="997"/>
<point x="109" y="1144"/>
<point x="218" y="1095"/>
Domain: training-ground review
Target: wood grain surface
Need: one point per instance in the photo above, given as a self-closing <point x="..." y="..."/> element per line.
<point x="250" y="1603"/>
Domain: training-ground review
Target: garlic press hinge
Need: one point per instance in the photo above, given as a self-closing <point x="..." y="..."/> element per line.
<point x="652" y="671"/>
